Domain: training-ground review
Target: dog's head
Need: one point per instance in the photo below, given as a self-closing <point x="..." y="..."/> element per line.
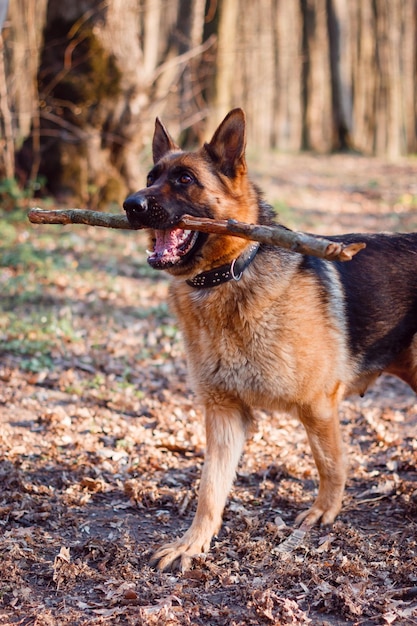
<point x="211" y="182"/>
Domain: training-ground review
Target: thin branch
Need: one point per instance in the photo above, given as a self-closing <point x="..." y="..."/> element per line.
<point x="296" y="241"/>
<point x="183" y="58"/>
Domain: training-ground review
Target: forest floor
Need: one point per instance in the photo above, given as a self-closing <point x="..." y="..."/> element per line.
<point x="101" y="444"/>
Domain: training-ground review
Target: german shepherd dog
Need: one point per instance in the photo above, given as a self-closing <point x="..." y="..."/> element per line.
<point x="266" y="327"/>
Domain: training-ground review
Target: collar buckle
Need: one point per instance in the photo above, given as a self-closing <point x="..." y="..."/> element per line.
<point x="232" y="271"/>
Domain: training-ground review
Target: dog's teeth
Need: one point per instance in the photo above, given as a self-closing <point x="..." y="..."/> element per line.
<point x="185" y="235"/>
<point x="149" y="252"/>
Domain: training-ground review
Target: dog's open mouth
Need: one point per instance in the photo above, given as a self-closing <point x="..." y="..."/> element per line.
<point x="171" y="246"/>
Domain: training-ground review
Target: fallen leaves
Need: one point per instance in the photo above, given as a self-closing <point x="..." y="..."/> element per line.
<point x="102" y="445"/>
<point x="278" y="610"/>
<point x="62" y="567"/>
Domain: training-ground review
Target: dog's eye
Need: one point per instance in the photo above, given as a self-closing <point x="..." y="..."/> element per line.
<point x="185" y="178"/>
<point x="150" y="179"/>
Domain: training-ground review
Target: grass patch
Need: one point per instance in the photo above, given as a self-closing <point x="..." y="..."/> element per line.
<point x="285" y="214"/>
<point x="59" y="285"/>
<point x="36" y="336"/>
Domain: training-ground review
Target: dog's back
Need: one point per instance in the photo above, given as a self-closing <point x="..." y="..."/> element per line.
<point x="380" y="291"/>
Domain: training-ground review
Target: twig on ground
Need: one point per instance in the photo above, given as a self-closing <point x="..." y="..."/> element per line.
<point x="296" y="241"/>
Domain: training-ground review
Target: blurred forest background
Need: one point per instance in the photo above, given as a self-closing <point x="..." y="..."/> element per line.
<point x="82" y="81"/>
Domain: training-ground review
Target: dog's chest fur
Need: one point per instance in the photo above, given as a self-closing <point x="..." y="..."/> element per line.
<point x="250" y="340"/>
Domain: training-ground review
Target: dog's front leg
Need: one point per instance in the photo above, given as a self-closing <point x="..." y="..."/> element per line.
<point x="226" y="428"/>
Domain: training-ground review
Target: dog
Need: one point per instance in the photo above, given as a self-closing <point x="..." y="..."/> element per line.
<point x="265" y="327"/>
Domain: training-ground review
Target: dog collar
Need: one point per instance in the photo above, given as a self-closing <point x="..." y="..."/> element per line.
<point x="224" y="273"/>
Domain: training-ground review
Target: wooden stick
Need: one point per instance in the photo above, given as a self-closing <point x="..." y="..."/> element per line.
<point x="78" y="216"/>
<point x="275" y="235"/>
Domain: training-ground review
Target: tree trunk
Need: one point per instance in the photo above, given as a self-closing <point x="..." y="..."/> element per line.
<point x="22" y="41"/>
<point x="107" y="70"/>
<point x="340" y="36"/>
<point x="318" y="126"/>
<point x="260" y="73"/>
<point x="6" y="125"/>
<point x="226" y="66"/>
<point x="288" y="109"/>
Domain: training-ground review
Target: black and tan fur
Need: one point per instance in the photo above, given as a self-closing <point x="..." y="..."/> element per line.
<point x="295" y="333"/>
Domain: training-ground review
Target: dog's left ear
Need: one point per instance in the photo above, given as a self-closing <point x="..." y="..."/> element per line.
<point x="227" y="147"/>
<point x="162" y="141"/>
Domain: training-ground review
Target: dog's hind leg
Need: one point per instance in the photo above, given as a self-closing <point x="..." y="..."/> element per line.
<point x="323" y="430"/>
<point x="226" y="427"/>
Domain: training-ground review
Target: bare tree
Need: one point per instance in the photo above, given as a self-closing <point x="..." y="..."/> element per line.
<point x="106" y="70"/>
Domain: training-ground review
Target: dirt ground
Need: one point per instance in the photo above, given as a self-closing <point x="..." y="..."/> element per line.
<point x="101" y="444"/>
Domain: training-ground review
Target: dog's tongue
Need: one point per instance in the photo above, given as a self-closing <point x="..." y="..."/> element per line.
<point x="167" y="242"/>
<point x="170" y="246"/>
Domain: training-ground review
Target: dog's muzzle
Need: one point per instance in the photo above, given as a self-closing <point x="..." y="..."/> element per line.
<point x="143" y="211"/>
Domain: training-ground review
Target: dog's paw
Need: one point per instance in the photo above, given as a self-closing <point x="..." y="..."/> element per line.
<point x="179" y="554"/>
<point x="317" y="514"/>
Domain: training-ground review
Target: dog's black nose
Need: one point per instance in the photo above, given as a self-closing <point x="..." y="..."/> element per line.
<point x="135" y="204"/>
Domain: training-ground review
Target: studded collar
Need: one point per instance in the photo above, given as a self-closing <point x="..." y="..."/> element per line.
<point x="224" y="273"/>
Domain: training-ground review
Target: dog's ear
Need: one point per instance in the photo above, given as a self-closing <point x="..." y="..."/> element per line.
<point x="162" y="141"/>
<point x="227" y="147"/>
